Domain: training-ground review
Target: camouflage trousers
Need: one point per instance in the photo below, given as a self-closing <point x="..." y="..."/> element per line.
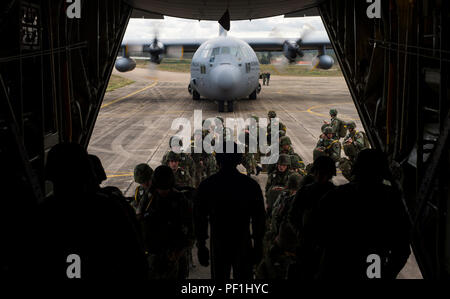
<point x="346" y="166"/>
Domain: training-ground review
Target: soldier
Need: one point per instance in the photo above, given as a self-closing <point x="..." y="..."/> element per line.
<point x="281" y="127"/>
<point x="143" y="176"/>
<point x="268" y="78"/>
<point x="248" y="158"/>
<point x="231" y="203"/>
<point x="353" y="143"/>
<point x="280" y="240"/>
<point x="186" y="161"/>
<point x="168" y="228"/>
<point x="199" y="157"/>
<point x="338" y="126"/>
<point x="264" y="78"/>
<point x="286" y="148"/>
<point x="302" y="217"/>
<point x="253" y="131"/>
<point x="182" y="177"/>
<point x="328" y="146"/>
<point x="277" y="181"/>
<point x="362" y="218"/>
<point x="78" y="219"/>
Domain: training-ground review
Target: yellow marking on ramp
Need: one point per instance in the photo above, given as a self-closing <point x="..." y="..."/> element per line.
<point x="310" y="110"/>
<point x="119" y="175"/>
<point x="129" y="95"/>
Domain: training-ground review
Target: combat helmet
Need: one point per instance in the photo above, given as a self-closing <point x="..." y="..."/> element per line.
<point x="284" y="160"/>
<point x="172" y="156"/>
<point x="328" y="130"/>
<point x="282" y="133"/>
<point x="142" y="173"/>
<point x="272" y="114"/>
<point x="285" y="140"/>
<point x="333" y="112"/>
<point x="351" y="125"/>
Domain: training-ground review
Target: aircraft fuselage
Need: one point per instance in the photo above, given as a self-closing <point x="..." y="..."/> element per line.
<point x="224" y="69"/>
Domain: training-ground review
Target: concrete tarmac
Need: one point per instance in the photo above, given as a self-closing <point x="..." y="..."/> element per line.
<point x="134" y="123"/>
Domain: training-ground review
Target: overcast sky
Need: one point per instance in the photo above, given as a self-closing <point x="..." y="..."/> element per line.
<point x="183" y="28"/>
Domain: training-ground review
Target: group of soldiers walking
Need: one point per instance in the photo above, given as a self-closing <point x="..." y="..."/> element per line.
<point x="265" y="77"/>
<point x="306" y="228"/>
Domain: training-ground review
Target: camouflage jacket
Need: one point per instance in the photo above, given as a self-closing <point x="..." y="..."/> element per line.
<point x="277" y="179"/>
<point x="140" y="197"/>
<point x="182" y="178"/>
<point x="330" y="146"/>
<point x="186" y="162"/>
<point x="357" y="139"/>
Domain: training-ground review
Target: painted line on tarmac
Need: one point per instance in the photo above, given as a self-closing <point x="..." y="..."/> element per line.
<point x="129" y="95"/>
<point x="309" y="110"/>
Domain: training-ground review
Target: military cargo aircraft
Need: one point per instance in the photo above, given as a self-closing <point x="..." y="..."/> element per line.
<point x="226" y="68"/>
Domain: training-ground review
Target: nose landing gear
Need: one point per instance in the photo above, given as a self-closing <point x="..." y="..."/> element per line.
<point x="221" y="106"/>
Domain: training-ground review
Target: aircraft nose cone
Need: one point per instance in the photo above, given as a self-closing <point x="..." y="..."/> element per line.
<point x="226" y="78"/>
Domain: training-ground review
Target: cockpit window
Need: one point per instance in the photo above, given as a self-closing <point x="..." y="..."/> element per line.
<point x="215" y="51"/>
<point x="225" y="50"/>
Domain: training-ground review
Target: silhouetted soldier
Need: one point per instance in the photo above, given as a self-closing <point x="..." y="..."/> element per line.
<point x="280" y="241"/>
<point x="143" y="176"/>
<point x="361" y="218"/>
<point x="115" y="194"/>
<point x="232" y="202"/>
<point x="302" y="217"/>
<point x="168" y="228"/>
<point x="80" y="219"/>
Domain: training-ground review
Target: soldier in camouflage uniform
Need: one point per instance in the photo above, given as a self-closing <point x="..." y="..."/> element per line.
<point x="280" y="240"/>
<point x="186" y="161"/>
<point x="281" y="126"/>
<point x="328" y="146"/>
<point x="168" y="228"/>
<point x="277" y="181"/>
<point x="353" y="143"/>
<point x="335" y="123"/>
<point x="182" y="177"/>
<point x="199" y="158"/>
<point x="286" y="148"/>
<point x="143" y="176"/>
<point x="248" y="158"/>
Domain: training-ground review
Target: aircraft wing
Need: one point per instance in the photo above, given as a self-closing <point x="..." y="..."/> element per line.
<point x="311" y="41"/>
<point x="188" y="45"/>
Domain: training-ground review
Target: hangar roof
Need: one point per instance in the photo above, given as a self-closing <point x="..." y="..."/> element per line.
<point x="213" y="9"/>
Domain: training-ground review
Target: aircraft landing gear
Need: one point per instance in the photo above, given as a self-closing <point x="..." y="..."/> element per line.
<point x="195" y="95"/>
<point x="221" y="106"/>
<point x="230" y="106"/>
<point x="253" y="95"/>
